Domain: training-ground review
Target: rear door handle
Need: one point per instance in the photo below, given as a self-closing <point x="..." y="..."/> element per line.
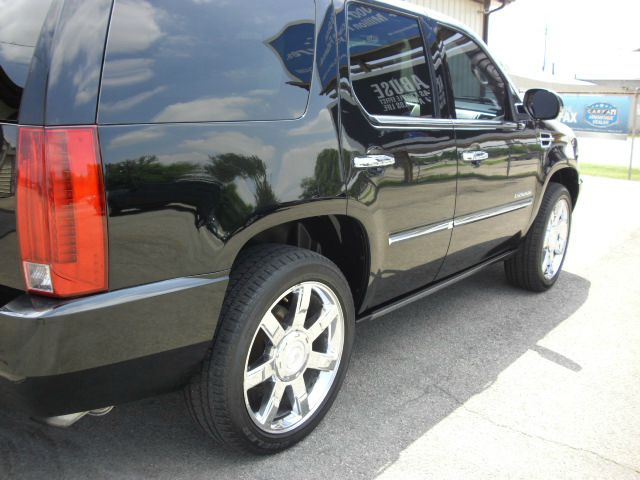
<point x="474" y="156"/>
<point x="373" y="160"/>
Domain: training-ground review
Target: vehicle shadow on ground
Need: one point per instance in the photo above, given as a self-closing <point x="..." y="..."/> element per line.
<point x="409" y="371"/>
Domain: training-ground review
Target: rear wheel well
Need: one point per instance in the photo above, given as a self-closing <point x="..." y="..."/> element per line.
<point x="569" y="178"/>
<point x="340" y="238"/>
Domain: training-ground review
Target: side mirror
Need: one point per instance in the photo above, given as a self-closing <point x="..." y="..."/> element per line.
<point x="542" y="104"/>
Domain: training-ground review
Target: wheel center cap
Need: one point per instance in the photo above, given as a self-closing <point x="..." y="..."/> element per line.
<point x="292" y="354"/>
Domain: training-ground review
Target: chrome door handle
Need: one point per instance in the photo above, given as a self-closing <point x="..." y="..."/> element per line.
<point x="474" y="156"/>
<point x="373" y="161"/>
<point x="514" y="125"/>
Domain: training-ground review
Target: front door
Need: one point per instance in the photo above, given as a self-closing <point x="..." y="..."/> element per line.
<point x="499" y="156"/>
<point x="401" y="156"/>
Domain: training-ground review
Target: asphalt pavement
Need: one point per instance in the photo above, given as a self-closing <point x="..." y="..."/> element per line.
<point x="478" y="381"/>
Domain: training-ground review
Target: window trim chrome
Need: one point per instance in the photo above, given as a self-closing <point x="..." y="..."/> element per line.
<point x="470" y="124"/>
<point x="395" y="121"/>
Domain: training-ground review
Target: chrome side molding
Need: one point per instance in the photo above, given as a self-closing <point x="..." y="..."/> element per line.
<point x="458" y="221"/>
<point x="418" y="232"/>
<point x="491" y="212"/>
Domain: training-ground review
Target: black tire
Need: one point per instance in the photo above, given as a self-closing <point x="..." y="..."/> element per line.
<point x="216" y="397"/>
<point x="524" y="268"/>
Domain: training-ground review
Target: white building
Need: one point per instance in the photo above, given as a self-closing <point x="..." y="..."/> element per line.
<point x="469" y="12"/>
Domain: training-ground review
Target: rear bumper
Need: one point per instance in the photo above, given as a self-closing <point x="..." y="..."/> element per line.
<point x="63" y="356"/>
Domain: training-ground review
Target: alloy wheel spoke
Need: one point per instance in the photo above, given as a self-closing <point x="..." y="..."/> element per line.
<point x="300" y="400"/>
<point x="325" y="362"/>
<point x="303" y="297"/>
<point x="549" y="265"/>
<point x="259" y="374"/>
<point x="272" y="328"/>
<point x="328" y="314"/>
<point x="271" y="404"/>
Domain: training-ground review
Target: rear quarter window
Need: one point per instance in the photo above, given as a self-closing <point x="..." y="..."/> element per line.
<point x="207" y="60"/>
<point x="20" y="25"/>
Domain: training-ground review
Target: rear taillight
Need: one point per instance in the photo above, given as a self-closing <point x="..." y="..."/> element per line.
<point x="61" y="211"/>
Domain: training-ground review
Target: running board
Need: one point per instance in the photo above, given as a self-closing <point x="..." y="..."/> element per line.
<point x="431" y="289"/>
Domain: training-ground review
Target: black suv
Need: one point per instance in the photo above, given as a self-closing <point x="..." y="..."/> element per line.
<point x="208" y="194"/>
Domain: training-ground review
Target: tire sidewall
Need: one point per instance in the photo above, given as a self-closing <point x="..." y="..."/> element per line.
<point x="279" y="282"/>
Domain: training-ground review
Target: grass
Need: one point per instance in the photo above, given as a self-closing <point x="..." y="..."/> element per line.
<point x="609" y="171"/>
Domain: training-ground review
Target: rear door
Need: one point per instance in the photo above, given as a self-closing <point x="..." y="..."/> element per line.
<point x="401" y="153"/>
<point x="498" y="156"/>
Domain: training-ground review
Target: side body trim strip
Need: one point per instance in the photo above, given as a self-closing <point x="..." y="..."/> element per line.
<point x="492" y="212"/>
<point x="418" y="232"/>
<point x="458" y="221"/>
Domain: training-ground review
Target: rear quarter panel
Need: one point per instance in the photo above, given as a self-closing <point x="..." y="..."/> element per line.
<point x="184" y="197"/>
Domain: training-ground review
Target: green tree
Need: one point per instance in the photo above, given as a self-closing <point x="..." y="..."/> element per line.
<point x="327" y="178"/>
<point x="227" y="167"/>
<point x="132" y="173"/>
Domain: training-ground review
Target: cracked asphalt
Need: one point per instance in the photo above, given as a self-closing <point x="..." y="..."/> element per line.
<point x="478" y="381"/>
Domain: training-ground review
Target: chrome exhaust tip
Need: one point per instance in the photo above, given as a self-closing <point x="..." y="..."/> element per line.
<point x="64" y="421"/>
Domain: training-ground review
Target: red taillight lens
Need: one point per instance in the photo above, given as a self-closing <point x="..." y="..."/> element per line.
<point x="61" y="211"/>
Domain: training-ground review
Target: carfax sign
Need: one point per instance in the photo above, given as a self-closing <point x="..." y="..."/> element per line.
<point x="597" y="113"/>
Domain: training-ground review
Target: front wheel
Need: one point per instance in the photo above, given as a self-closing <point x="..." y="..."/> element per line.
<point x="281" y="351"/>
<point x="537" y="263"/>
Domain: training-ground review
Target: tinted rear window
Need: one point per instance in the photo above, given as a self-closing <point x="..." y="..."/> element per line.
<point x="20" y="24"/>
<point x="207" y="60"/>
<point x="388" y="67"/>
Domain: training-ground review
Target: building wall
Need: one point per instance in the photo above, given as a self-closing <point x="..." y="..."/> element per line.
<point x="468" y="12"/>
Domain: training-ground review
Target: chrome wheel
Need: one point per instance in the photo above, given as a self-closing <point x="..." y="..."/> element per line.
<point x="555" y="239"/>
<point x="294" y="357"/>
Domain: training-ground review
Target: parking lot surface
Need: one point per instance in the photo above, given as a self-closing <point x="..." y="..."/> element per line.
<point x="478" y="381"/>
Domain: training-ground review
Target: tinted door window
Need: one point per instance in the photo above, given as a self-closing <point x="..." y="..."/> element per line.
<point x="388" y="66"/>
<point x="478" y="88"/>
<point x="20" y="24"/>
<point x="215" y="60"/>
